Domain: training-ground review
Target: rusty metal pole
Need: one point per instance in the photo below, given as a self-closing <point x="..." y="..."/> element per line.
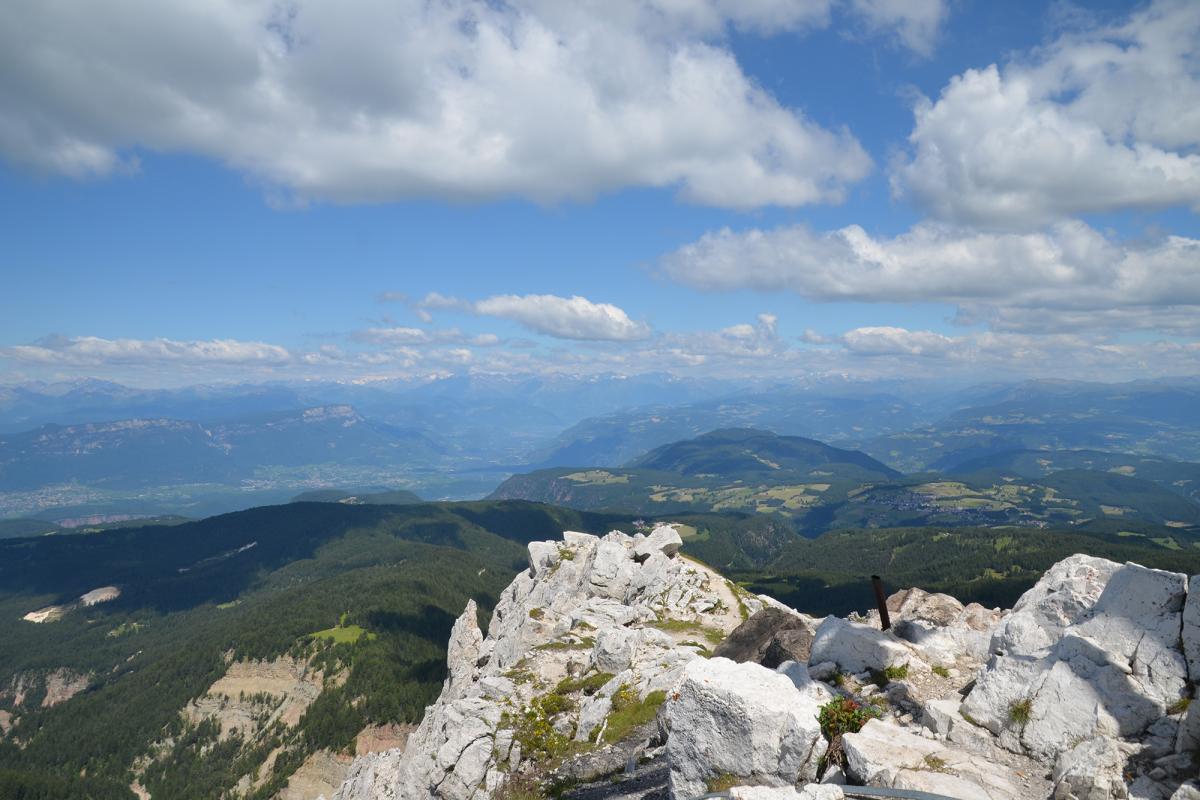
<point x="885" y="621"/>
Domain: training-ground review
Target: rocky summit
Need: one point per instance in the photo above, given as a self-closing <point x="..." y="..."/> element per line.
<point x="615" y="667"/>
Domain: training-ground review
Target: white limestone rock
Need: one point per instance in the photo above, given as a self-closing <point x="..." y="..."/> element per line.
<point x="463" y="650"/>
<point x="940" y="628"/>
<point x="1062" y="597"/>
<point x="542" y="556"/>
<point x="1091" y="650"/>
<point x="743" y="720"/>
<point x="1091" y="770"/>
<point x="1187" y="791"/>
<point x="613" y="651"/>
<point x="856" y="647"/>
<point x="812" y="690"/>
<point x="1191" y="629"/>
<point x="663" y="539"/>
<point x="612" y="570"/>
<point x="885" y="755"/>
<point x="577" y="539"/>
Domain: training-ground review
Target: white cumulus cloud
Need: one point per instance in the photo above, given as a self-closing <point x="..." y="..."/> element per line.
<point x="564" y="317"/>
<point x="367" y="100"/>
<point x="1070" y="266"/>
<point x="1100" y="120"/>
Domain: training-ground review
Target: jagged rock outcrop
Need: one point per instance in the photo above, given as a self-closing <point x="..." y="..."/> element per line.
<point x="582" y="647"/>
<point x="1080" y="692"/>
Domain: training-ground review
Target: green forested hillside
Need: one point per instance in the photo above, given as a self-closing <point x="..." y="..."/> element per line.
<point x="246" y="586"/>
<point x="993" y="566"/>
<point x="745" y="454"/>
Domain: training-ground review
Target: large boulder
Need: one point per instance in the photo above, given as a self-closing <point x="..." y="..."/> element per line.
<point x="1063" y="596"/>
<point x="1092" y="650"/>
<point x="770" y="637"/>
<point x="856" y="647"/>
<point x="885" y="755"/>
<point x="742" y="720"/>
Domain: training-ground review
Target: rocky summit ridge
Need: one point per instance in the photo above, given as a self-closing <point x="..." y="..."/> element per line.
<point x="615" y="667"/>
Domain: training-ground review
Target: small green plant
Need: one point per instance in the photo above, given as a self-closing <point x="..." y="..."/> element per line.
<point x="589" y="685"/>
<point x="519" y="675"/>
<point x="566" y="553"/>
<point x="535" y="731"/>
<point x="724" y="782"/>
<point x="838" y="679"/>
<point x="941" y="671"/>
<point x="838" y="717"/>
<point x="896" y="672"/>
<point x="1019" y="711"/>
<point x="629" y="712"/>
<point x="1179" y="706"/>
<point x="934" y="763"/>
<point x="536" y="613"/>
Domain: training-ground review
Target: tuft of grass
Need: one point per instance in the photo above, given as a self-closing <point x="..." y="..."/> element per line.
<point x="1020" y="710"/>
<point x="629" y="712"/>
<point x="1179" y="706"/>
<point x="941" y="672"/>
<point x="589" y="685"/>
<point x="584" y="643"/>
<point x="896" y="672"/>
<point x="536" y="613"/>
<point x="519" y="676"/>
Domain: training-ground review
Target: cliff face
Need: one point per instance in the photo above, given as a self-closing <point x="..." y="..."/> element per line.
<point x="599" y="664"/>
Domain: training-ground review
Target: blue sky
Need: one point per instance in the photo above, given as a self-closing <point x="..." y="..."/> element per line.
<point x="207" y="191"/>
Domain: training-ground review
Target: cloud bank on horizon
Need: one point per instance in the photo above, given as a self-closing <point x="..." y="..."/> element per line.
<point x="1053" y="195"/>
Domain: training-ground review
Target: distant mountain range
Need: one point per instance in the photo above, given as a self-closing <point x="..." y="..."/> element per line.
<point x="821" y="487"/>
<point x="135" y="453"/>
<point x="90" y="448"/>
